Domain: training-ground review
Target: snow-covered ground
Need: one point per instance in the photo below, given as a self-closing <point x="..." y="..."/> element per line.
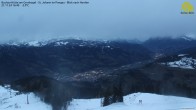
<point x="131" y="102"/>
<point x="184" y="62"/>
<point x="9" y="100"/>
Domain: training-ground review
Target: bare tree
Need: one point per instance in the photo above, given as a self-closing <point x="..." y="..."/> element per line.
<point x="27" y="99"/>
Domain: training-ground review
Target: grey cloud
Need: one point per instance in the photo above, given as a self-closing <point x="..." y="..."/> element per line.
<point x="101" y="19"/>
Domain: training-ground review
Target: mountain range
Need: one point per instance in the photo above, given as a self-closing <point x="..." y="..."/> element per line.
<point x="59" y="70"/>
<point x="66" y="57"/>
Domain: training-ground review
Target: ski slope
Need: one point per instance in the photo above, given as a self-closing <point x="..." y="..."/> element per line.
<point x="9" y="100"/>
<point x="131" y="102"/>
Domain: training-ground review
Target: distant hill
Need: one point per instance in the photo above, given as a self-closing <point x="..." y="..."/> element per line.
<point x="168" y="45"/>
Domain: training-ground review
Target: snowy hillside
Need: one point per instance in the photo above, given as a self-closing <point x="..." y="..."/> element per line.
<point x="131" y="102"/>
<point x="184" y="62"/>
<point x="9" y="100"/>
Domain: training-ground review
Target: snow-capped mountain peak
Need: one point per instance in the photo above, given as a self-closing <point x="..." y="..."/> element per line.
<point x="25" y="43"/>
<point x="186" y="38"/>
<point x="55" y="42"/>
<point x="34" y="43"/>
<point x="189" y="37"/>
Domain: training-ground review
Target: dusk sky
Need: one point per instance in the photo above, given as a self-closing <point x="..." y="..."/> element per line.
<point x="100" y="19"/>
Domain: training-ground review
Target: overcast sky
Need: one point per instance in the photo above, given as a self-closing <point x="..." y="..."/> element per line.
<point x="101" y="19"/>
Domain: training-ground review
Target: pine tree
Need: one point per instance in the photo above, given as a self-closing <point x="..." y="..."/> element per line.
<point x="106" y="101"/>
<point x="118" y="94"/>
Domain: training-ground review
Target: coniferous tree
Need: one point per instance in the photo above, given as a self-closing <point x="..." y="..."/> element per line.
<point x="119" y="94"/>
<point x="106" y="100"/>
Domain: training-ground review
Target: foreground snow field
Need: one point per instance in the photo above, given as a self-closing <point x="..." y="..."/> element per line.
<point x="131" y="102"/>
<point x="10" y="101"/>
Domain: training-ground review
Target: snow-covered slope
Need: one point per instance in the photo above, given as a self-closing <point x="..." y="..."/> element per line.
<point x="9" y="100"/>
<point x="131" y="102"/>
<point x="184" y="62"/>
